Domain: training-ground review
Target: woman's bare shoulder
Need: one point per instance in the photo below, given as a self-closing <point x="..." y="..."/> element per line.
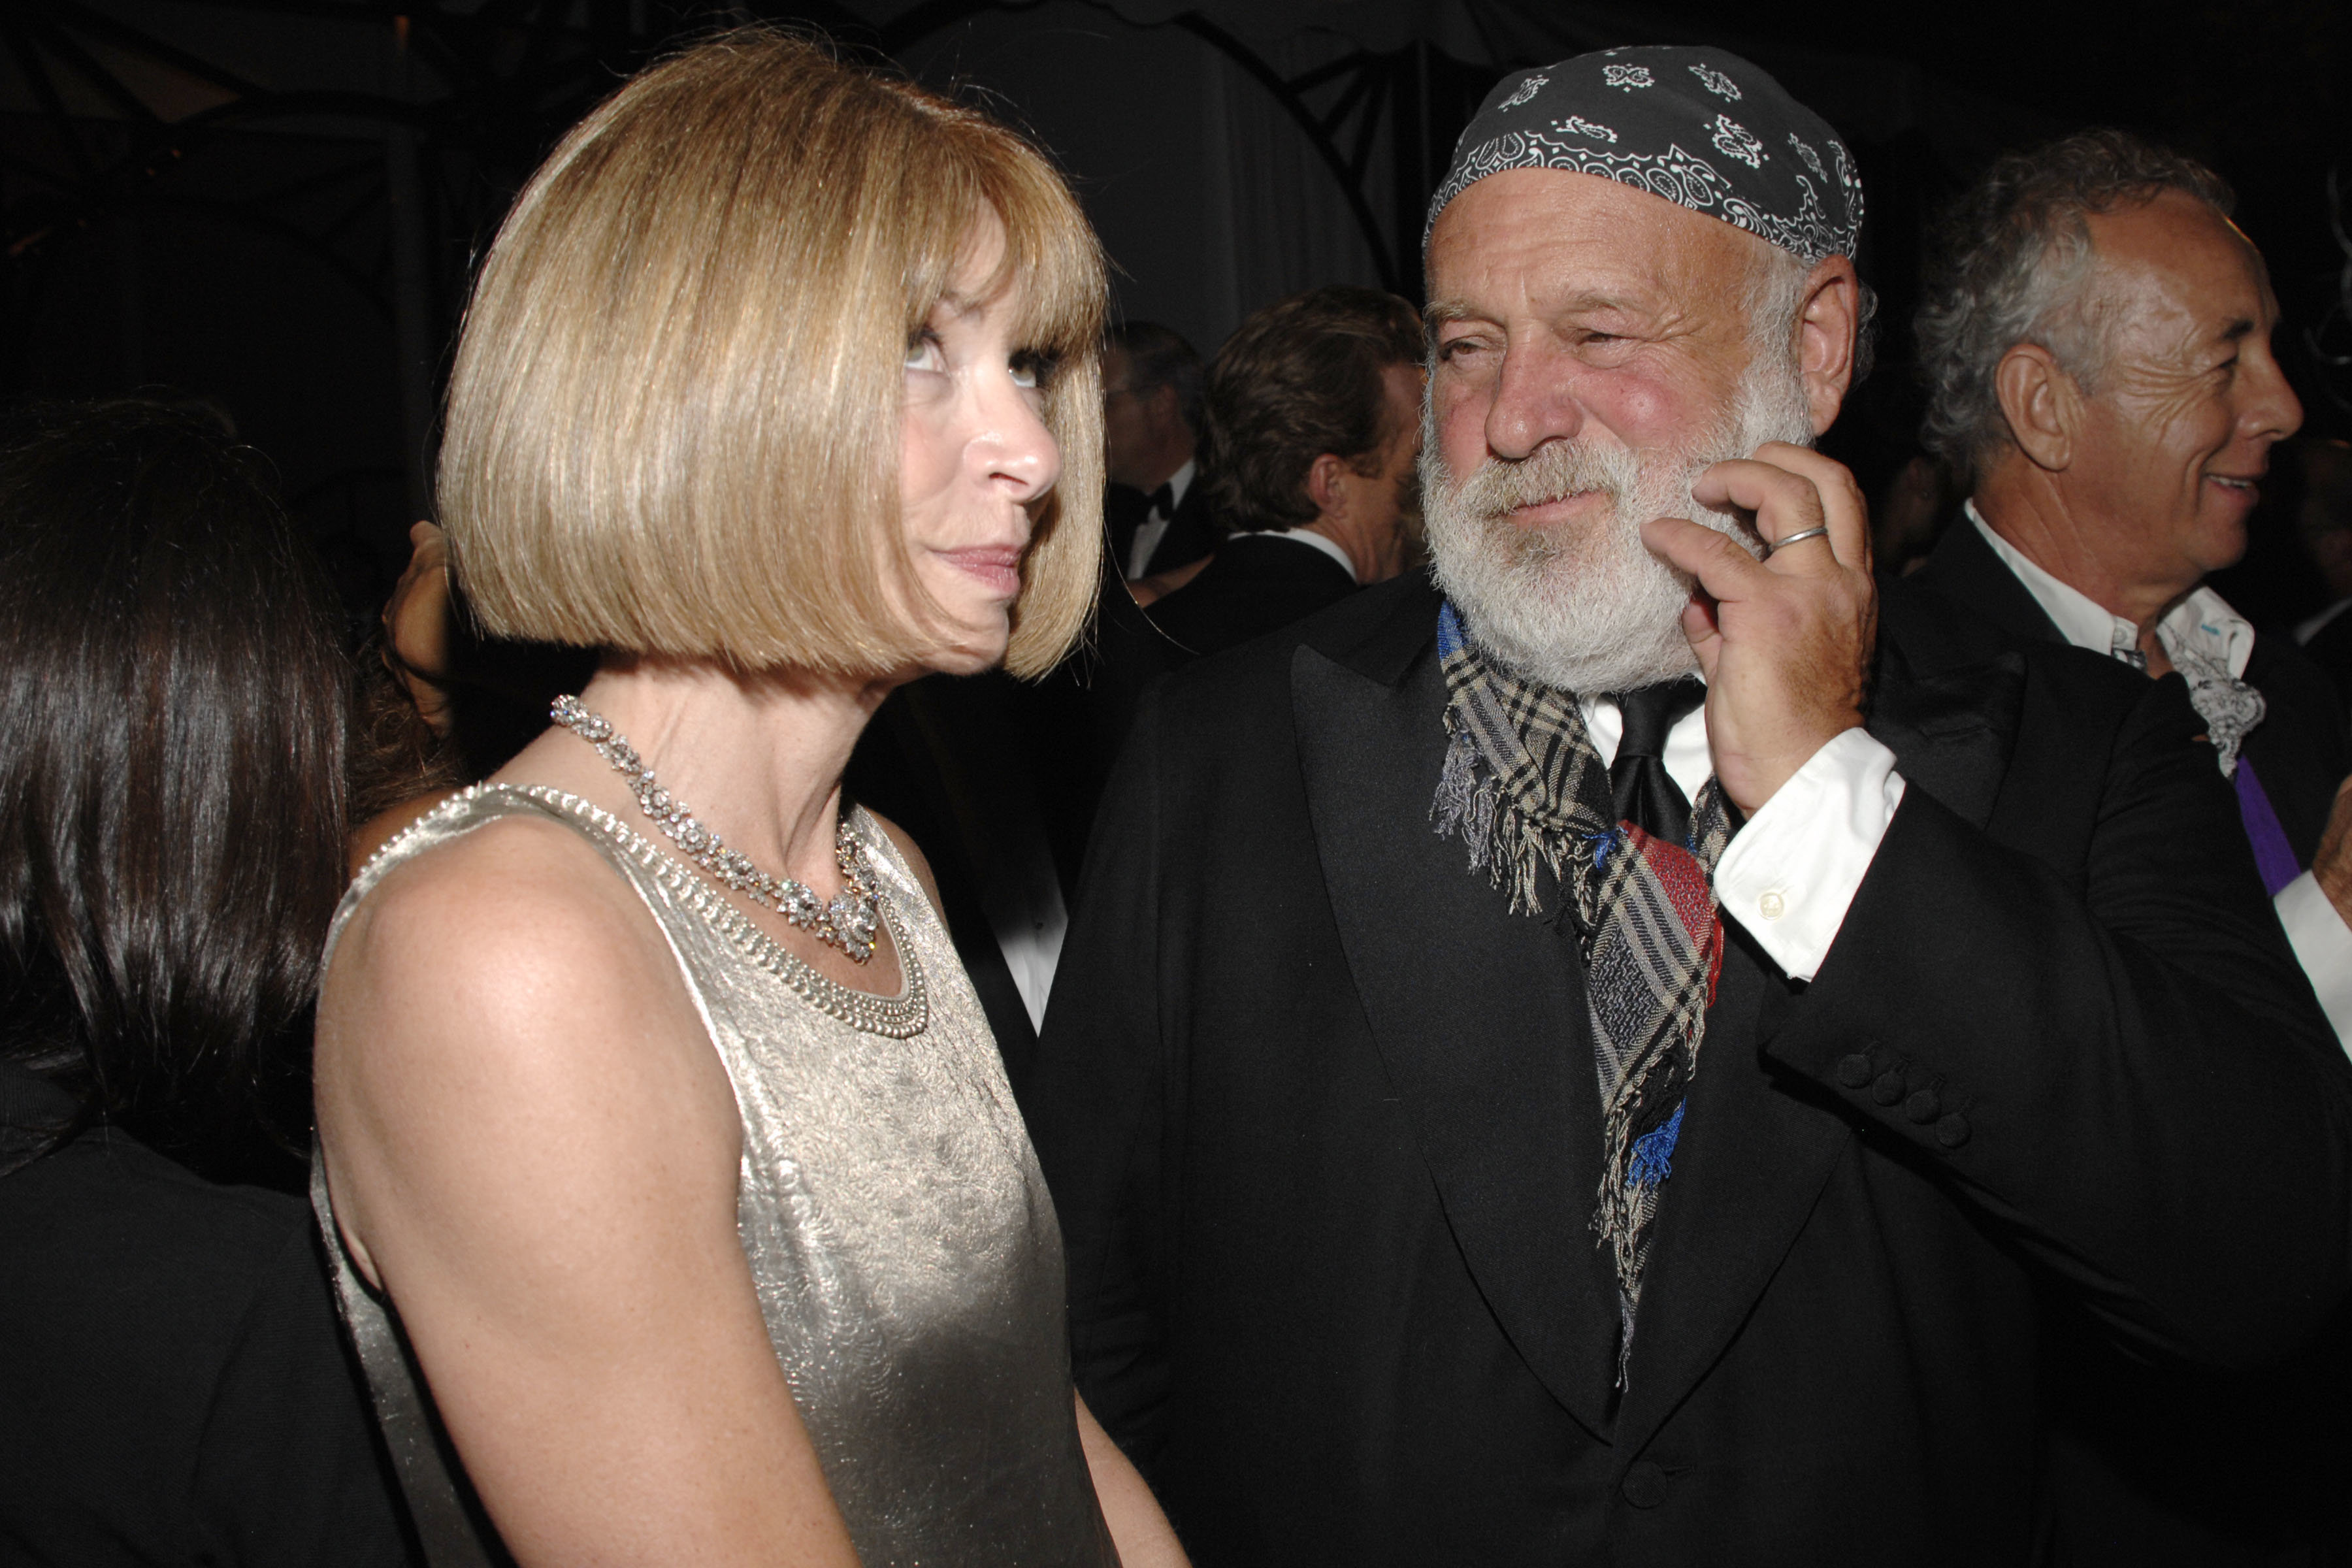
<point x="514" y="951"/>
<point x="502" y="1017"/>
<point x="518" y="887"/>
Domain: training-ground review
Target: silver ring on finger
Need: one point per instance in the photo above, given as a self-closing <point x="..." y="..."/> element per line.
<point x="1798" y="538"/>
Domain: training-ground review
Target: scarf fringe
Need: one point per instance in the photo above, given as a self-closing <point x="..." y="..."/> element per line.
<point x="1514" y="852"/>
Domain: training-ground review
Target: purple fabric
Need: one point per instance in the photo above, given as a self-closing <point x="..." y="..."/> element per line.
<point x="2273" y="856"/>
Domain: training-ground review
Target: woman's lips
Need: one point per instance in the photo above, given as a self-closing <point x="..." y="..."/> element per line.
<point x="996" y="568"/>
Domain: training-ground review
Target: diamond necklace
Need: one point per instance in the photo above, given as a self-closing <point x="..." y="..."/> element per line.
<point x="847" y="920"/>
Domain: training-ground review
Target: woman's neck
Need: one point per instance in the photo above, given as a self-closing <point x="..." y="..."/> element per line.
<point x="756" y="758"/>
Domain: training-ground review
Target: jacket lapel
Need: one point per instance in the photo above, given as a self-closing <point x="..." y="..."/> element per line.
<point x="1750" y="1165"/>
<point x="1951" y="731"/>
<point x="1478" y="1015"/>
<point x="1755" y="1156"/>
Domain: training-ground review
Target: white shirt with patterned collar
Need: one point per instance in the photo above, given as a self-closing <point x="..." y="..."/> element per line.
<point x="2201" y="629"/>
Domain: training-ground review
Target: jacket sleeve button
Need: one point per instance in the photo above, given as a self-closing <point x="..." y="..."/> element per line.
<point x="1952" y="1131"/>
<point x="1853" y="1071"/>
<point x="1645" y="1484"/>
<point x="1922" y="1106"/>
<point x="1888" y="1089"/>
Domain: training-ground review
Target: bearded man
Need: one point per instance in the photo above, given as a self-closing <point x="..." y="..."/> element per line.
<point x="1508" y="1102"/>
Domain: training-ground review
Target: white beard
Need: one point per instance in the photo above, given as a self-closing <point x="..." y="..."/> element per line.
<point x="1590" y="610"/>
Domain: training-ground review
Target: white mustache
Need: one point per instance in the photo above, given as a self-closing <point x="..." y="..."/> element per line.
<point x="1553" y="472"/>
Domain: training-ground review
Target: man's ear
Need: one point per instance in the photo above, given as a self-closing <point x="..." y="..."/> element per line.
<point x="2041" y="403"/>
<point x="1324" y="488"/>
<point x="1827" y="323"/>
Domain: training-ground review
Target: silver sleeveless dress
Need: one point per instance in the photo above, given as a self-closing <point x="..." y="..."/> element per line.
<point x="905" y="1250"/>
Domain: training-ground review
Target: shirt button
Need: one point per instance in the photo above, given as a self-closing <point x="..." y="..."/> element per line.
<point x="1771" y="906"/>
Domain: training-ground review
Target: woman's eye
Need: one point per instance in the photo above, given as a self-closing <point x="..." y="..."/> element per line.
<point x="1029" y="371"/>
<point x="923" y="354"/>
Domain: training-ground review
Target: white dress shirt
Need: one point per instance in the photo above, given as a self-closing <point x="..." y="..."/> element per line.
<point x="1789" y="876"/>
<point x="1154" y="526"/>
<point x="2202" y="623"/>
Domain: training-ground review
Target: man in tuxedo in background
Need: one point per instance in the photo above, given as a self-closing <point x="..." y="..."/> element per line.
<point x="2097" y="343"/>
<point x="1314" y="424"/>
<point x="1506" y="1103"/>
<point x="1158" y="514"/>
<point x="2096" y="340"/>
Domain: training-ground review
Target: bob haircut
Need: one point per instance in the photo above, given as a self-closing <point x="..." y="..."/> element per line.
<point x="174" y="694"/>
<point x="673" y="422"/>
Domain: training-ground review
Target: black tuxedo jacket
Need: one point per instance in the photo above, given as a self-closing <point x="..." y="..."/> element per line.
<point x="1320" y="1121"/>
<point x="2300" y="750"/>
<point x="1192" y="533"/>
<point x="2330" y="649"/>
<point x="1257" y="584"/>
<point x="2147" y="1462"/>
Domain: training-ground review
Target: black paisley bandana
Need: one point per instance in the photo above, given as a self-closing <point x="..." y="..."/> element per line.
<point x="1700" y="127"/>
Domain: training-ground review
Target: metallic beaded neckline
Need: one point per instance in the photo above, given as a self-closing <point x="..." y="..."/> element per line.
<point x="899" y="1017"/>
<point x="847" y="920"/>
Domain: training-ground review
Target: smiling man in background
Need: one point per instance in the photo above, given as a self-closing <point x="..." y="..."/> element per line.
<point x="2096" y="337"/>
<point x="2097" y="343"/>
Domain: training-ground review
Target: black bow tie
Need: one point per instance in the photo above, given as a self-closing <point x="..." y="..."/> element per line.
<point x="1640" y="789"/>
<point x="1161" y="500"/>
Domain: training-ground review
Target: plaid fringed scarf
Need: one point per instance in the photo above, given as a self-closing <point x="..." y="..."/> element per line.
<point x="1528" y="794"/>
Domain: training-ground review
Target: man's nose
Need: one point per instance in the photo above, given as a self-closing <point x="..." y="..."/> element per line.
<point x="2273" y="412"/>
<point x="1535" y="402"/>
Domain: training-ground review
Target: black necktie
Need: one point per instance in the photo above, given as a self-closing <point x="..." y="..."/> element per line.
<point x="1161" y="500"/>
<point x="1640" y="788"/>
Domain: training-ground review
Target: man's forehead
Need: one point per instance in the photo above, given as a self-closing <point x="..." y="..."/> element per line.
<point x="2176" y="255"/>
<point x="1574" y="241"/>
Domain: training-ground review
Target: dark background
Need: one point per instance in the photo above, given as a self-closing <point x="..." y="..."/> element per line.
<point x="274" y="203"/>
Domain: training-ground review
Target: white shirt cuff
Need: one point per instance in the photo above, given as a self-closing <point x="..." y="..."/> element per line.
<point x="1791" y="874"/>
<point x="2323" y="945"/>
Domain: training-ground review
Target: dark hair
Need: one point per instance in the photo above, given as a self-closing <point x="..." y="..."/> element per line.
<point x="1302" y="377"/>
<point x="175" y="695"/>
<point x="2013" y="257"/>
<point x="1159" y="356"/>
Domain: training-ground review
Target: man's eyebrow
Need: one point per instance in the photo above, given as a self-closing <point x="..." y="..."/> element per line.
<point x="1444" y="312"/>
<point x="2241" y="327"/>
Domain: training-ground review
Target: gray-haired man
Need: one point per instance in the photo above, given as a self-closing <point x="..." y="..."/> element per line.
<point x="2096" y="337"/>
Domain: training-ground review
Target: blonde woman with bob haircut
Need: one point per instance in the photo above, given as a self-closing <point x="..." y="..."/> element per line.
<point x="652" y="1099"/>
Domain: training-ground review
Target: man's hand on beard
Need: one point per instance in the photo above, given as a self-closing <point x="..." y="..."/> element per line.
<point x="1785" y="642"/>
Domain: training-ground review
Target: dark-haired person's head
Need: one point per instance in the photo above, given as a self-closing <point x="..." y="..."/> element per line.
<point x="1151" y="403"/>
<point x="1314" y="405"/>
<point x="172" y="810"/>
